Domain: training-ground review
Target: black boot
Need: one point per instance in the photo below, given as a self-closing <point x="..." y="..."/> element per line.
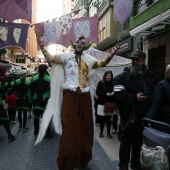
<point x="36" y="126"/>
<point x="11" y="138"/>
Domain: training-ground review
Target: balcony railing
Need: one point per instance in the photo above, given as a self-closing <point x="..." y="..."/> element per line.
<point x="101" y="10"/>
<point x="142" y="5"/>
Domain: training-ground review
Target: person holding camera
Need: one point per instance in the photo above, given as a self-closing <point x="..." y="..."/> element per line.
<point x="132" y="91"/>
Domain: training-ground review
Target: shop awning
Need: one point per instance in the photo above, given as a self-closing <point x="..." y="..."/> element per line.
<point x="153" y="26"/>
<point x="105" y="44"/>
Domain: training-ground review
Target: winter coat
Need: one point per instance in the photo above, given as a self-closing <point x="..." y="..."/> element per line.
<point x="132" y="111"/>
<point x="160" y="102"/>
<point x="102" y="89"/>
<point x="126" y="100"/>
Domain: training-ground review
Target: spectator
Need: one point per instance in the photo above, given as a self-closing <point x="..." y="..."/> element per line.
<point x="160" y="101"/>
<point x="4" y="120"/>
<point x="105" y="93"/>
<point x="11" y="101"/>
<point x="40" y="90"/>
<point x="133" y="88"/>
<point x="21" y="87"/>
<point x="73" y="109"/>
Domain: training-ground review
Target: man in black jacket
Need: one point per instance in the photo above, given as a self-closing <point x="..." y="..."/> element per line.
<point x="132" y="90"/>
<point x="160" y="102"/>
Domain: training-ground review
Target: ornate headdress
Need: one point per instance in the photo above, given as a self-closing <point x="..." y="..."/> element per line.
<point x="80" y="38"/>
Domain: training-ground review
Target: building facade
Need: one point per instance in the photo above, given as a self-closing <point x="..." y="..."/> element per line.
<point x="68" y="6"/>
<point x="151" y="23"/>
<point x="147" y="29"/>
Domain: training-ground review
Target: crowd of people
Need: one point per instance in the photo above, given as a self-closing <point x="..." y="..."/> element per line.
<point x="23" y="98"/>
<point x="137" y="95"/>
<point x="134" y="94"/>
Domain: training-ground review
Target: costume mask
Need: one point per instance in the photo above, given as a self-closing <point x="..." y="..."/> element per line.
<point x="80" y="46"/>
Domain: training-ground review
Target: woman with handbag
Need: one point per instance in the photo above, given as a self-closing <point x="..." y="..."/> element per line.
<point x="106" y="105"/>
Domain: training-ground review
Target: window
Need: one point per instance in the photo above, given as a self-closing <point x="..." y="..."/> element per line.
<point x="20" y="59"/>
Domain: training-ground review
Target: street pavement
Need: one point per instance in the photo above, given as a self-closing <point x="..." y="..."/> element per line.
<point x="22" y="154"/>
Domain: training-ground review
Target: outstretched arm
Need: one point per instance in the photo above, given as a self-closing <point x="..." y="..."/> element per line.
<point x="47" y="55"/>
<point x="104" y="62"/>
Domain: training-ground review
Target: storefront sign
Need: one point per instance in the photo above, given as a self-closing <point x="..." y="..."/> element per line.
<point x="125" y="45"/>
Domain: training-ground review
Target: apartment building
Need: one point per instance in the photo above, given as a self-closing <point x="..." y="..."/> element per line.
<point x="151" y="23"/>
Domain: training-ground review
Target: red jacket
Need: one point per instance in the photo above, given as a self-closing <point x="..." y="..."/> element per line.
<point x="11" y="101"/>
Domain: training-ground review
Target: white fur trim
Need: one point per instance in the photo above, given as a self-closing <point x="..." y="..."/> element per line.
<point x="53" y="108"/>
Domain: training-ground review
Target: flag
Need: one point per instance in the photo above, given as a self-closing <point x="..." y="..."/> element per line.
<point x="52" y="33"/>
<point x="12" y="34"/>
<point x="122" y="10"/>
<point x="12" y="9"/>
<point x="65" y="23"/>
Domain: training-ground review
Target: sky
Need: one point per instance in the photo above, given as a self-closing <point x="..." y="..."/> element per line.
<point x="48" y="9"/>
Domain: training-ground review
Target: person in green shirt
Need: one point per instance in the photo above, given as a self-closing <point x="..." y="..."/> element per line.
<point x="21" y="88"/>
<point x="40" y="90"/>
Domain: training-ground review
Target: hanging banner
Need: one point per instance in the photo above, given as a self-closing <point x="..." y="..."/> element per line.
<point x="13" y="34"/>
<point x="12" y="9"/>
<point x="122" y="10"/>
<point x="53" y="34"/>
<point x="65" y="23"/>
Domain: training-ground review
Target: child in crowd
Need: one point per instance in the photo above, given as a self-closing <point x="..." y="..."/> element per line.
<point x="11" y="101"/>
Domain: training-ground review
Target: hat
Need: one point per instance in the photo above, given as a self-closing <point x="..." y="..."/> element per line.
<point x="138" y="54"/>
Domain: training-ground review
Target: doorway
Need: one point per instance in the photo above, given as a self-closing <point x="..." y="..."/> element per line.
<point x="156" y="62"/>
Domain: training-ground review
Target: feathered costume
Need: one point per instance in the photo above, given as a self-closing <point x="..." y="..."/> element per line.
<point x="71" y="107"/>
<point x="53" y="108"/>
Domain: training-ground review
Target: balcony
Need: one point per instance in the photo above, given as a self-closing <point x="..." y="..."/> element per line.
<point x="142" y="5"/>
<point x="151" y="12"/>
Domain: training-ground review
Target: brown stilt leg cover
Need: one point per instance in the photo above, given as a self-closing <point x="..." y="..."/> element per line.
<point x="76" y="142"/>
